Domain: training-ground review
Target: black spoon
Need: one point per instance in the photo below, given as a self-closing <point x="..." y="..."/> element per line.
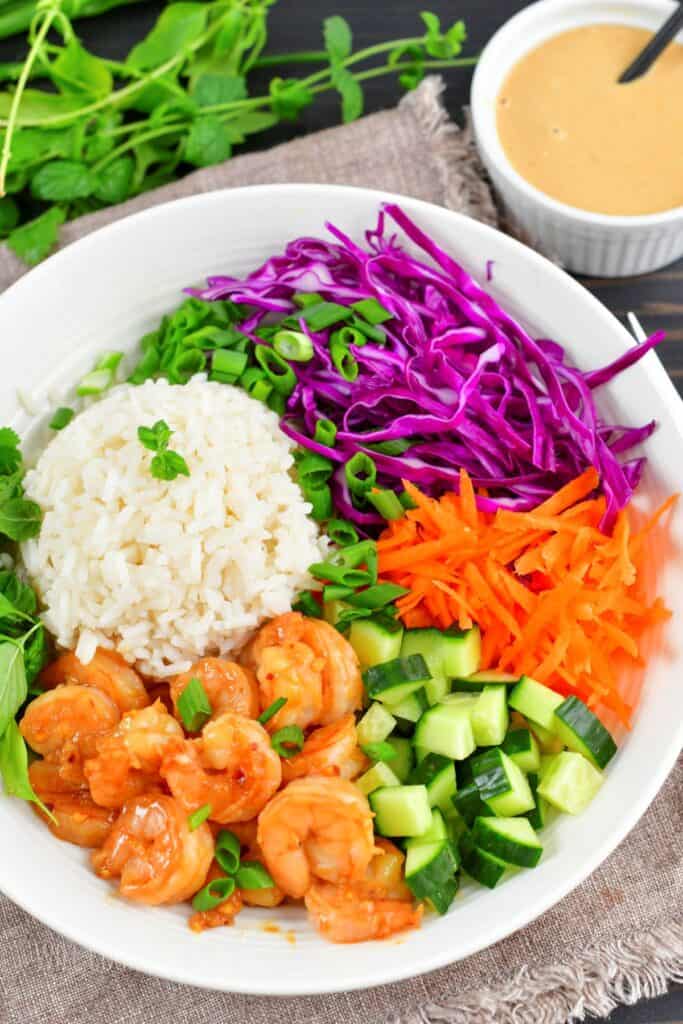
<point x="648" y="55"/>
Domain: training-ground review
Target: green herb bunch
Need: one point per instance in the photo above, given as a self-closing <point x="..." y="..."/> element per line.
<point x="110" y="130"/>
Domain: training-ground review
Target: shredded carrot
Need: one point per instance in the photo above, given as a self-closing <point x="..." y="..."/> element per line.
<point x="554" y="596"/>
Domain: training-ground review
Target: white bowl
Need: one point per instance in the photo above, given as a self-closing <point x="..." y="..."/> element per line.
<point x="585" y="242"/>
<point x="104" y="292"/>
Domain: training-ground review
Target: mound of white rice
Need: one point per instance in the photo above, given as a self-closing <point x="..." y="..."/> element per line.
<point x="166" y="572"/>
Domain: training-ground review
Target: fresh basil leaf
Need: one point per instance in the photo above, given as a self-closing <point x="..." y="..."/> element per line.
<point x="13" y="686"/>
<point x="35" y="654"/>
<point x="9" y="215"/>
<point x="168" y="465"/>
<point x="33" y="241"/>
<point x="289" y="97"/>
<point x="207" y="142"/>
<point x="14" y="766"/>
<point x="351" y="94"/>
<point x="115" y="180"/>
<point x="178" y="25"/>
<point x="20" y="519"/>
<point x="8" y="610"/>
<point x="63" y="180"/>
<point x="211" y="88"/>
<point x="338" y="38"/>
<point x="77" y="71"/>
<point x="19" y="593"/>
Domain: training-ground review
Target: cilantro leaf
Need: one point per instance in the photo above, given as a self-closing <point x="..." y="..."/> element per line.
<point x="338" y="38"/>
<point x="33" y="241"/>
<point x="168" y="465"/>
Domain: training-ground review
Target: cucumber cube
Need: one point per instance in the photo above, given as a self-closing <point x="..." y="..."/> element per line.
<point x="401" y="810"/>
<point x="570" y="783"/>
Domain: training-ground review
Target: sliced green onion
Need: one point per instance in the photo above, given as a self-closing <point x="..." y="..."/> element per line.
<point x="261" y="390"/>
<point x="307" y="605"/>
<point x="361" y="474"/>
<point x="186" y="364"/>
<point x="321" y="501"/>
<point x="325" y="432"/>
<point x="250" y="377"/>
<point x="387" y="504"/>
<point x="253" y="875"/>
<point x="356" y="554"/>
<point x="406" y="501"/>
<point x="335" y="592"/>
<point x="349" y="615"/>
<point x="397" y="447"/>
<point x="213" y="894"/>
<point x="277" y="402"/>
<point x="351" y="336"/>
<point x="344" y="361"/>
<point x="377" y="596"/>
<point x="304" y="299"/>
<point x="147" y="367"/>
<point x="279" y="373"/>
<point x="324" y="314"/>
<point x="372" y="311"/>
<point x="272" y="710"/>
<point x="381" y="751"/>
<point x="94" y="383"/>
<point x="293" y="345"/>
<point x="341" y="574"/>
<point x="211" y="337"/>
<point x="341" y="533"/>
<point x="369" y="330"/>
<point x="62" y="418"/>
<point x="287" y="741"/>
<point x="109" y="361"/>
<point x="227" y="365"/>
<point x="194" y="706"/>
<point x="313" y="469"/>
<point x="227" y="851"/>
<point x="199" y="816"/>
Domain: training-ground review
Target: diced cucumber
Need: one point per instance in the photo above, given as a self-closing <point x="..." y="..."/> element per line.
<point x="378" y="776"/>
<point x="392" y="681"/>
<point x="446" y="729"/>
<point x="435" y="833"/>
<point x="412" y="707"/>
<point x="461" y="652"/>
<point x="535" y="701"/>
<point x="546" y="762"/>
<point x="548" y="742"/>
<point x="375" y="642"/>
<point x="570" y="783"/>
<point x="501" y="784"/>
<point x="436" y="689"/>
<point x="332" y="611"/>
<point x="376" y="724"/>
<point x="401" y="810"/>
<point x="488" y="677"/>
<point x="485" y="868"/>
<point x="469" y="804"/>
<point x="512" y="840"/>
<point x="538" y="815"/>
<point x="402" y="764"/>
<point x="583" y="732"/>
<point x="420" y="753"/>
<point x="428" y="643"/>
<point x="431" y="873"/>
<point x="437" y="773"/>
<point x="463" y="700"/>
<point x="489" y="716"/>
<point x="521" y="747"/>
<point x="455" y="826"/>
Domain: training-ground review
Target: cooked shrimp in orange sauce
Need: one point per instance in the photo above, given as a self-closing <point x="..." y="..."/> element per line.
<point x="107" y="672"/>
<point x="153" y="852"/>
<point x="128" y="759"/>
<point x="232" y="767"/>
<point x="316" y="829"/>
<point x="76" y="818"/>
<point x="329" y="750"/>
<point x="228" y="686"/>
<point x="310" y="664"/>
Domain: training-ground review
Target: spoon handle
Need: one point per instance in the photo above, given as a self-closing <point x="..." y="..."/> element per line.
<point x="659" y="41"/>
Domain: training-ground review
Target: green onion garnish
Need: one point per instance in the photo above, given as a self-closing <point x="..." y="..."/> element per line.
<point x="387" y="504"/>
<point x="102" y="377"/>
<point x="110" y="361"/>
<point x="279" y="373"/>
<point x="361" y="474"/>
<point x="343" y="566"/>
<point x="369" y="330"/>
<point x="324" y="314"/>
<point x="406" y="501"/>
<point x="303" y="299"/>
<point x="147" y="367"/>
<point x="194" y="706"/>
<point x="343" y="359"/>
<point x="312" y="469"/>
<point x="214" y="338"/>
<point x="273" y="708"/>
<point x="227" y="365"/>
<point x="377" y="596"/>
<point x="185" y="364"/>
<point x="62" y="418"/>
<point x="396" y="447"/>
<point x="213" y="894"/>
<point x="320" y="499"/>
<point x="227" y="851"/>
<point x="195" y="819"/>
<point x="341" y="574"/>
<point x="261" y="390"/>
<point x="372" y="311"/>
<point x="381" y="751"/>
<point x="287" y="741"/>
<point x="307" y="605"/>
<point x="341" y="533"/>
<point x="351" y="336"/>
<point x="277" y="402"/>
<point x="335" y="592"/>
<point x="253" y="875"/>
<point x="293" y="345"/>
<point x="325" y="432"/>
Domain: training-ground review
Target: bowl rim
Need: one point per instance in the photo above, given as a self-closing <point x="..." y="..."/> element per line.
<point x="484" y="120"/>
<point x="423" y="959"/>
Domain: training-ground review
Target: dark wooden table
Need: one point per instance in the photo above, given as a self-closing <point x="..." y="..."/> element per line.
<point x="657" y="299"/>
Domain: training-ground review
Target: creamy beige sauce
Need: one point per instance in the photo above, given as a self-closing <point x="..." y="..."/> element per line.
<point x="571" y="130"/>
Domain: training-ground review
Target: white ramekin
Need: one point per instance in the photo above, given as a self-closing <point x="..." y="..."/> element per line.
<point x="588" y="243"/>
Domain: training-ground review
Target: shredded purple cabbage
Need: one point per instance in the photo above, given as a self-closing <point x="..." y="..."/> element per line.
<point x="457" y="377"/>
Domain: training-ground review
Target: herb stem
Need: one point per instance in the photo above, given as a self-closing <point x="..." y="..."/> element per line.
<point x="302" y="57"/>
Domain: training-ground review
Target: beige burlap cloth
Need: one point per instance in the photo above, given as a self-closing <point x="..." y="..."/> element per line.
<point x="617" y="938"/>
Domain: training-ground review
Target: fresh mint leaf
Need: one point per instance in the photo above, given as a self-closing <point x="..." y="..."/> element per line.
<point x="77" y="71"/>
<point x="19" y="593"/>
<point x="99" y="140"/>
<point x="239" y="127"/>
<point x="289" y="97"/>
<point x="33" y="241"/>
<point x="115" y="181"/>
<point x="168" y="465"/>
<point x="207" y="143"/>
<point x="14" y="766"/>
<point x="9" y="215"/>
<point x="20" y="519"/>
<point x="62" y="181"/>
<point x="338" y="38"/>
<point x="351" y="93"/>
<point x="439" y="44"/>
<point x="13" y="686"/>
<point x="178" y="25"/>
<point x="36" y="145"/>
<point x="155" y="438"/>
<point x="36" y="104"/>
<point x="211" y="89"/>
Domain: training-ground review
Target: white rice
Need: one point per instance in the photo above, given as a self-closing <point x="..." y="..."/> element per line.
<point x="166" y="572"/>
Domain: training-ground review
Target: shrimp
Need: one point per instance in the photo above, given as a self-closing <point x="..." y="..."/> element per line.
<point x="316" y="828"/>
<point x="310" y="664"/>
<point x="232" y="767"/>
<point x="128" y="759"/>
<point x="342" y="914"/>
<point x="228" y="686"/>
<point x="107" y="672"/>
<point x="153" y="852"/>
<point x="224" y="914"/>
<point x="329" y="750"/>
<point x="62" y="724"/>
<point x="75" y="818"/>
<point x="251" y="851"/>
